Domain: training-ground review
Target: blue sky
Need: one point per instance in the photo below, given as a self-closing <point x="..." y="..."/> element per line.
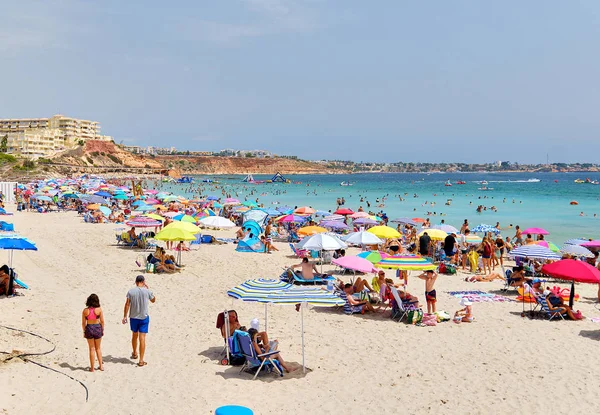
<point x="385" y="80"/>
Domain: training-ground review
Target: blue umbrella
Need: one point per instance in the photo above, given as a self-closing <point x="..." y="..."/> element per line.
<point x="485" y="229"/>
<point x="14" y="242"/>
<point x="104" y="210"/>
<point x="103" y="194"/>
<point x="144" y="208"/>
<point x="138" y="203"/>
<point x="70" y="196"/>
<point x="44" y="198"/>
<point x="212" y="198"/>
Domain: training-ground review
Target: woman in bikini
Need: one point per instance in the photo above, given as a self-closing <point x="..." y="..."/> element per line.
<point x="92" y="322"/>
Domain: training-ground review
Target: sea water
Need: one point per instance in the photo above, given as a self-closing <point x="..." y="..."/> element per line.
<point x="524" y="199"/>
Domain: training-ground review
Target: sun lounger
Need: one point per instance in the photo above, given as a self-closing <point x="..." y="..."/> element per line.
<point x="253" y="360"/>
<point x="292" y="277"/>
<point x="400" y="309"/>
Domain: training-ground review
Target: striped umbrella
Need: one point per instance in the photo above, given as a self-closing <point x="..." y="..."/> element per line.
<point x="372" y="256"/>
<point x="143" y="222"/>
<point x="404" y="221"/>
<point x="406" y="263"/>
<point x="333" y="217"/>
<point x="333" y="224"/>
<point x="446" y="228"/>
<point x="485" y="229"/>
<point x="472" y="239"/>
<point x="365" y="221"/>
<point x="576" y="241"/>
<point x="533" y="252"/>
<point x="576" y="250"/>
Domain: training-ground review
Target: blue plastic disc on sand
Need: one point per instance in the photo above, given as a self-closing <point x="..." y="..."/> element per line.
<point x="233" y="410"/>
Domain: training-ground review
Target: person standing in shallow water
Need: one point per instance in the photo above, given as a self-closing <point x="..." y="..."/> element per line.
<point x="92" y="321"/>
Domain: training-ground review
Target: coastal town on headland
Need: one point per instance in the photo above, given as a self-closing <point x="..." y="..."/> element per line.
<point x="65" y="145"/>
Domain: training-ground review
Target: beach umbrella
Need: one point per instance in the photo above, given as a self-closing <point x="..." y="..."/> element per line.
<point x="151" y="201"/>
<point x="591" y="244"/>
<point x="155" y="216"/>
<point x="143" y="222"/>
<point x="576" y="241"/>
<point x="174" y="234"/>
<point x="354" y="263"/>
<point x="334" y="217"/>
<point x="70" y="196"/>
<point x="322" y="213"/>
<point x="272" y="212"/>
<point x="217" y="205"/>
<point x="186" y="226"/>
<point x="184" y="218"/>
<point x="446" y="228"/>
<point x="362" y="238"/>
<point x="231" y="201"/>
<point x="384" y="232"/>
<point x="434" y="234"/>
<point x="305" y="210"/>
<point x="333" y="224"/>
<point x="212" y="198"/>
<point x="217" y="222"/>
<point x="576" y="250"/>
<point x="551" y="246"/>
<point x="102" y="194"/>
<point x="105" y="211"/>
<point x="291" y="218"/>
<point x="365" y="221"/>
<point x="404" y="221"/>
<point x="406" y="263"/>
<point x="344" y="211"/>
<point x="285" y="209"/>
<point x="93" y="206"/>
<point x="536" y="231"/>
<point x="485" y="229"/>
<point x="277" y="292"/>
<point x="250" y="204"/>
<point x="572" y="270"/>
<point x="357" y="215"/>
<point x="44" y="198"/>
<point x="372" y="256"/>
<point x="533" y="252"/>
<point x="14" y="242"/>
<point x="311" y="230"/>
<point x="138" y="203"/>
<point x="321" y="242"/>
<point x="418" y="220"/>
<point x="145" y="208"/>
<point x="471" y="239"/>
<point x="120" y="196"/>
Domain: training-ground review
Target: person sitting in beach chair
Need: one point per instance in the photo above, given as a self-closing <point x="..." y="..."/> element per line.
<point x="234" y="323"/>
<point x="261" y="344"/>
<point x="308" y="269"/>
<point x="556" y="304"/>
<point x="517" y="278"/>
<point x="353" y="305"/>
<point x="6" y="281"/>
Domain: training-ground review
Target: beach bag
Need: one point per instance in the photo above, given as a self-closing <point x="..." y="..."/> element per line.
<point x="442" y="269"/>
<point x="442" y="316"/>
<point x="450" y="270"/>
<point x="415" y="316"/>
<point x="150" y="268"/>
<point x="429" y="320"/>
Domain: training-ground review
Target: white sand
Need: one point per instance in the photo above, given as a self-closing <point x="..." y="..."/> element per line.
<point x="502" y="363"/>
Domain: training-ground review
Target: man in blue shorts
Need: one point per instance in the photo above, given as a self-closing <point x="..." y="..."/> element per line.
<point x="139" y="320"/>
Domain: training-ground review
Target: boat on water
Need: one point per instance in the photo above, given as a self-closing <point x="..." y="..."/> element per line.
<point x="483" y="183"/>
<point x="587" y="181"/>
<point x="346" y="184"/>
<point x="461" y="182"/>
<point x="579" y="181"/>
<point x="448" y="183"/>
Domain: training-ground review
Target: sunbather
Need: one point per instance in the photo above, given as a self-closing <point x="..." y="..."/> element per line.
<point x="5" y="285"/>
<point x="352" y="304"/>
<point x="556" y="303"/>
<point x="234" y="323"/>
<point x="309" y="270"/>
<point x="517" y="278"/>
<point x="260" y="342"/>
<point x="485" y="278"/>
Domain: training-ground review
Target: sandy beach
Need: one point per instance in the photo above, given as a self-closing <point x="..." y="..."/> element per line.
<point x="501" y="363"/>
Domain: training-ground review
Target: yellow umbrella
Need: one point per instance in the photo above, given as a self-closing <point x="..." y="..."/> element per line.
<point x="311" y="230"/>
<point x="186" y="226"/>
<point x="160" y="207"/>
<point x="384" y="232"/>
<point x="93" y="206"/>
<point x="155" y="216"/>
<point x="174" y="234"/>
<point x="434" y="234"/>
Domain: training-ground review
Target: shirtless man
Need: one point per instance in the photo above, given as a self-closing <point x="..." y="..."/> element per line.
<point x="430" y="295"/>
<point x="309" y="270"/>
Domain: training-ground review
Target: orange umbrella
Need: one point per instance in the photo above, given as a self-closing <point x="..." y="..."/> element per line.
<point x="311" y="230"/>
<point x="306" y="210"/>
<point x="93" y="206"/>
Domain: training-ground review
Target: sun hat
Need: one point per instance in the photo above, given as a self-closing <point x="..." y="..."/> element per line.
<point x="465" y="302"/>
<point x="255" y="324"/>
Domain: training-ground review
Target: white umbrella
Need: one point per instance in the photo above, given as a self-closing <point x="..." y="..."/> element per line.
<point x="217" y="222"/>
<point x="576" y="250"/>
<point x="362" y="238"/>
<point x="533" y="252"/>
<point x="321" y="242"/>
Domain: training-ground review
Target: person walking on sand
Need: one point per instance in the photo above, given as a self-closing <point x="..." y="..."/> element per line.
<point x="430" y="277"/>
<point x="92" y="321"/>
<point x="139" y="320"/>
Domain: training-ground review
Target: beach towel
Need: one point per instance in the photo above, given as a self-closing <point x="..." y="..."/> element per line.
<point x="480" y="296"/>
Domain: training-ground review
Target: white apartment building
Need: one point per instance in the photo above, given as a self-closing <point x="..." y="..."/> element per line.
<point x="35" y="137"/>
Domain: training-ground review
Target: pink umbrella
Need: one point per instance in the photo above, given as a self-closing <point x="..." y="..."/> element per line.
<point x="151" y="191"/>
<point x="543" y="243"/>
<point x="152" y="201"/>
<point x="359" y="215"/>
<point x="231" y="201"/>
<point x="536" y="231"/>
<point x="170" y="214"/>
<point x="354" y="263"/>
<point x="592" y="244"/>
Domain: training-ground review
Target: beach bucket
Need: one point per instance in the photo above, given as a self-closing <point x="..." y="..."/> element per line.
<point x="233" y="410"/>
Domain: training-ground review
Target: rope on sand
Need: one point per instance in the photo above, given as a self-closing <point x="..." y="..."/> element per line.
<point x="23" y="357"/>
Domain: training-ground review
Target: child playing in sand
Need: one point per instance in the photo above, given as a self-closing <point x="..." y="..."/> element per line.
<point x="430" y="277"/>
<point x="464" y="315"/>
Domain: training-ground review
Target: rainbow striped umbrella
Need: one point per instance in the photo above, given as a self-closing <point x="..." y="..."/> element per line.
<point x="406" y="263"/>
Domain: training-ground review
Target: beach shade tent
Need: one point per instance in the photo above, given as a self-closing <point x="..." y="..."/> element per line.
<point x="485" y="229"/>
<point x="344" y="211"/>
<point x="357" y="215"/>
<point x="362" y="238"/>
<point x="257" y="215"/>
<point x="406" y="263"/>
<point x="253" y="226"/>
<point x="278" y="178"/>
<point x="446" y="228"/>
<point x="334" y="224"/>
<point x="143" y="222"/>
<point x="271" y="292"/>
<point x="365" y="221"/>
<point x="185" y="218"/>
<point x="311" y="230"/>
<point x="354" y="263"/>
<point x="250" y="244"/>
<point x="186" y="226"/>
<point x="576" y="251"/>
<point x="305" y="210"/>
<point x="534" y="252"/>
<point x="536" y="231"/>
<point x="404" y="221"/>
<point x="384" y="232"/>
<point x="321" y="242"/>
<point x="291" y="219"/>
<point x="175" y="234"/>
<point x="217" y="222"/>
<point x="434" y="234"/>
<point x="372" y="256"/>
<point x="574" y="271"/>
<point x="14" y="242"/>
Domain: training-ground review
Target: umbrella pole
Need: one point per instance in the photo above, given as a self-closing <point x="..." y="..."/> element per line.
<point x="265" y="316"/>
<point x="302" y="329"/>
<point x="572" y="295"/>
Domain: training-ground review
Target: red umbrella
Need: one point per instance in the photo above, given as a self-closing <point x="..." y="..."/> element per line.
<point x="572" y="270"/>
<point x="418" y="220"/>
<point x="344" y="211"/>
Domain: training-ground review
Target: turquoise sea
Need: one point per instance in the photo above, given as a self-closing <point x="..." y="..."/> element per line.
<point x="525" y="199"/>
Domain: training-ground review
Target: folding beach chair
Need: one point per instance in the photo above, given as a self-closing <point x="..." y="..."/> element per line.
<point x="300" y="253"/>
<point x="545" y="309"/>
<point x="253" y="360"/>
<point x="400" y="309"/>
